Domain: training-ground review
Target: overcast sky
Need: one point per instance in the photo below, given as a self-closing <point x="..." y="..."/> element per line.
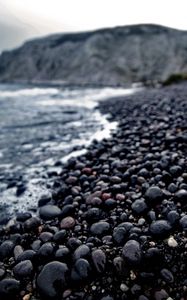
<point x="25" y="19"/>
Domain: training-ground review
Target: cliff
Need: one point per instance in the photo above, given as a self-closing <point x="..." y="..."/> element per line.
<point x="109" y="56"/>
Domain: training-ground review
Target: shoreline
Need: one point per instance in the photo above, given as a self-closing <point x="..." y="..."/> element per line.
<point x="116" y="225"/>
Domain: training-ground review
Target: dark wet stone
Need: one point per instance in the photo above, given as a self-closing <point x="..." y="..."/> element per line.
<point x="23" y="269"/>
<point x="110" y="204"/>
<point x="167" y="275"/>
<point x="32" y="224"/>
<point x="9" y="289"/>
<point x="73" y="243"/>
<point x="52" y="280"/>
<point x="107" y="298"/>
<point x="100" y="228"/>
<point x="46" y="251"/>
<point x="181" y="196"/>
<point x="161" y="295"/>
<point x="99" y="260"/>
<point x="2" y="273"/>
<point x="119" y="235"/>
<point x="139" y="206"/>
<point x="119" y="265"/>
<point x="27" y="255"/>
<point x="160" y="228"/>
<point x="93" y="215"/>
<point x="132" y="252"/>
<point x="136" y="289"/>
<point x="81" y="270"/>
<point x="183" y="222"/>
<point x="154" y="195"/>
<point x="6" y="249"/>
<point x="172" y="188"/>
<point x="81" y="252"/>
<point x="46" y="236"/>
<point x="68" y="210"/>
<point x="22" y="217"/>
<point x="67" y="223"/>
<point x="60" y="236"/>
<point x="62" y="254"/>
<point x="49" y="212"/>
<point x="173" y="217"/>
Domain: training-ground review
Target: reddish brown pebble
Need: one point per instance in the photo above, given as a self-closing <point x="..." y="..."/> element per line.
<point x="87" y="171"/>
<point x="67" y="223"/>
<point x="106" y="196"/>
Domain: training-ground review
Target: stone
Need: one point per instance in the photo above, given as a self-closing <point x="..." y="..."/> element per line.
<point x="81" y="252"/>
<point x="160" y="228"/>
<point x="67" y="223"/>
<point x="100" y="228"/>
<point x="81" y="270"/>
<point x="52" y="280"/>
<point x="139" y="206"/>
<point x="6" y="249"/>
<point x="172" y="242"/>
<point x="27" y="255"/>
<point x="9" y="289"/>
<point x="167" y="275"/>
<point x="154" y="195"/>
<point x="132" y="252"/>
<point x="49" y="212"/>
<point x="32" y="224"/>
<point x="60" y="236"/>
<point x="183" y="222"/>
<point x="23" y="269"/>
<point x="119" y="235"/>
<point x="181" y="196"/>
<point x="99" y="260"/>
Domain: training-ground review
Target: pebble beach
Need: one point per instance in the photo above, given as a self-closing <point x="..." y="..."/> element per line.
<point x="116" y="224"/>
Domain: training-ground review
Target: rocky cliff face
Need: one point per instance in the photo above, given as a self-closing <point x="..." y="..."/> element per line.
<point x="109" y="56"/>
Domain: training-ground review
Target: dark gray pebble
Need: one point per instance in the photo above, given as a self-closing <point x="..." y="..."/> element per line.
<point x="52" y="280"/>
<point x="49" y="212"/>
<point x="81" y="252"/>
<point x="100" y="228"/>
<point x="160" y="228"/>
<point x="99" y="260"/>
<point x="23" y="269"/>
<point x="9" y="289"/>
<point x="132" y="252"/>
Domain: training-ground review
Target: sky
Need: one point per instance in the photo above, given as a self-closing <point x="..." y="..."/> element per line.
<point x="21" y="20"/>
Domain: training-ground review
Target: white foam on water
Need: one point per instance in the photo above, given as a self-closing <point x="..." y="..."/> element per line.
<point x="28" y="92"/>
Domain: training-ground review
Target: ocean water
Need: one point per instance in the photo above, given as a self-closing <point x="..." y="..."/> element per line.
<point x="41" y="128"/>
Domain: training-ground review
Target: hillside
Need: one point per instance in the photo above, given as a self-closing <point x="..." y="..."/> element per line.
<point x="109" y="56"/>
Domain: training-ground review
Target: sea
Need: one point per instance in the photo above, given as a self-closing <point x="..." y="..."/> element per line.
<point x="40" y="129"/>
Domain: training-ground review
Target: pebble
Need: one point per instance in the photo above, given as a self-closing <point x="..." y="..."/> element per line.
<point x="6" y="249"/>
<point x="49" y="212"/>
<point x="81" y="270"/>
<point x="139" y="206"/>
<point x="160" y="228"/>
<point x="52" y="280"/>
<point x="154" y="195"/>
<point x="23" y="269"/>
<point x="183" y="222"/>
<point x="9" y="289"/>
<point x="172" y="242"/>
<point x="132" y="252"/>
<point x="119" y="235"/>
<point x="99" y="260"/>
<point x="167" y="275"/>
<point x="67" y="223"/>
<point x="100" y="228"/>
<point x="81" y="251"/>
